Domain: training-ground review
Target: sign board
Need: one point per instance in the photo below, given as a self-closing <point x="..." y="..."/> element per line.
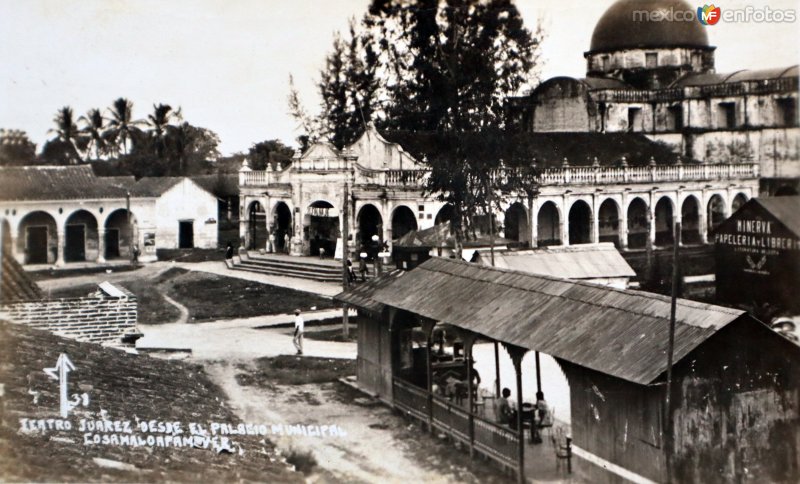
<point x="757" y="260"/>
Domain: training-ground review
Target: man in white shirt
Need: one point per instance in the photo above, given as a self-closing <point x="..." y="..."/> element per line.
<point x="299" y="325"/>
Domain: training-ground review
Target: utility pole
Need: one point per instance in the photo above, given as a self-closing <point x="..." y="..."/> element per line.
<point x="130" y="224"/>
<point x="345" y="257"/>
<point x="670" y="349"/>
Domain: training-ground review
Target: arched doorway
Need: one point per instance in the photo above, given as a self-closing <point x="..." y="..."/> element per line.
<point x="257" y="226"/>
<point x="515" y="224"/>
<point x="445" y="214"/>
<point x="281" y="226"/>
<point x="403" y="221"/>
<point x="548" y="225"/>
<point x="664" y="217"/>
<point x="690" y="221"/>
<point x="370" y="223"/>
<point x="81" y="241"/>
<point x="715" y="212"/>
<point x="638" y="228"/>
<point x="321" y="228"/>
<point x="608" y="220"/>
<point x="580" y="223"/>
<point x="38" y="238"/>
<point x="739" y="200"/>
<point x="121" y="233"/>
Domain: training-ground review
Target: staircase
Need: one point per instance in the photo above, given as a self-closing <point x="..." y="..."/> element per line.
<point x="325" y="270"/>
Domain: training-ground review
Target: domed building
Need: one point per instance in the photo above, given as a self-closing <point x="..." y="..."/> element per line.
<point x="650" y="70"/>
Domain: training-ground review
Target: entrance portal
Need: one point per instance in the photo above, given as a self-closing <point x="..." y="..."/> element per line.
<point x="186" y="234"/>
<point x="36" y="245"/>
<point x="75" y="249"/>
<point x="321" y="228"/>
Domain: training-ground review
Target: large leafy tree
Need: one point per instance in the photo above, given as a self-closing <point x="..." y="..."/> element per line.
<point x="122" y="128"/>
<point x="448" y="67"/>
<point x="450" y="64"/>
<point x="270" y="152"/>
<point x="348" y="87"/>
<point x="16" y="148"/>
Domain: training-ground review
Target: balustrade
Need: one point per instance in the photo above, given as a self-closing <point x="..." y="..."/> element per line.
<point x="580" y="175"/>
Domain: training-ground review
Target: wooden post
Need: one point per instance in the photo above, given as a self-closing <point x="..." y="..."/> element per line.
<point x="670" y="349"/>
<point x="538" y="374"/>
<point x="2" y="257"/>
<point x="496" y="370"/>
<point x="469" y="340"/>
<point x="517" y="353"/>
<point x="428" y="326"/>
<point x="345" y="258"/>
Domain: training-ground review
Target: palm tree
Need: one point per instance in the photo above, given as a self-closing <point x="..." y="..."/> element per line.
<point x="67" y="132"/>
<point x="121" y="125"/>
<point x="159" y="121"/>
<point x="94" y="126"/>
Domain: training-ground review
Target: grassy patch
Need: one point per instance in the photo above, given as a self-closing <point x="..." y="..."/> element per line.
<point x="210" y="297"/>
<point x="332" y="334"/>
<point x="296" y="370"/>
<point x="153" y="308"/>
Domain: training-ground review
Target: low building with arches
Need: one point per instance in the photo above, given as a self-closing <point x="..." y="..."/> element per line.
<point x="57" y="215"/>
<point x="627" y="197"/>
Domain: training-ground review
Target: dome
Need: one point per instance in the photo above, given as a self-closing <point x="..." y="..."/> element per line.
<point x="617" y="28"/>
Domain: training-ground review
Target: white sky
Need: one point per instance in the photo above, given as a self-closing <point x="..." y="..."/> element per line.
<point x="227" y="63"/>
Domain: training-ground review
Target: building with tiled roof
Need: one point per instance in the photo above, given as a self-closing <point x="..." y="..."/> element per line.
<point x="649" y="75"/>
<point x="62" y="214"/>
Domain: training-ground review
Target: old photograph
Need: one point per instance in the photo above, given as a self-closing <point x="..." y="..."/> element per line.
<point x="392" y="241"/>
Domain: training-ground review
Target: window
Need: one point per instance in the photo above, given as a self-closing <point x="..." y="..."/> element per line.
<point x="675" y="118"/>
<point x="786" y="114"/>
<point x="651" y="60"/>
<point x="634" y="119"/>
<point x="726" y="115"/>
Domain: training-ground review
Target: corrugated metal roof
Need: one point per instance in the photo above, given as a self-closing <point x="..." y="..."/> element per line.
<point x="59" y="183"/>
<point x="616" y="332"/>
<point x="785" y="209"/>
<point x="586" y="261"/>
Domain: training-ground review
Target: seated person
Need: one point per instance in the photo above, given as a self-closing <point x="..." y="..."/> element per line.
<point x="543" y="411"/>
<point x="503" y="410"/>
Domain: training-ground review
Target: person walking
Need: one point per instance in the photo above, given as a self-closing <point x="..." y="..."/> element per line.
<point x="299" y="326"/>
<point x="362" y="266"/>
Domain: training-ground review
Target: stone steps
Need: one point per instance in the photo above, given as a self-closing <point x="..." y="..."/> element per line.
<point x="302" y="268"/>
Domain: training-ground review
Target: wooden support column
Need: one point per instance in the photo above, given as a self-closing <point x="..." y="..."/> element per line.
<point x="469" y="341"/>
<point x="496" y="370"/>
<point x="538" y="374"/>
<point x="427" y="328"/>
<point x="517" y="353"/>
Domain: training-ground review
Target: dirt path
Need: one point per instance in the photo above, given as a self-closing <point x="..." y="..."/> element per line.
<point x="370" y="452"/>
<point x="184" y="312"/>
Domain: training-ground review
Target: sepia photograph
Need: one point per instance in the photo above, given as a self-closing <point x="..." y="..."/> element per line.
<point x="394" y="241"/>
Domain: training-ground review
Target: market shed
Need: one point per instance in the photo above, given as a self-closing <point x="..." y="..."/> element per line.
<point x="735" y="412"/>
<point x="596" y="263"/>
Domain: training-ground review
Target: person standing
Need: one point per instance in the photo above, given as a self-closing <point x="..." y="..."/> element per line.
<point x="362" y="266"/>
<point x="299" y="326"/>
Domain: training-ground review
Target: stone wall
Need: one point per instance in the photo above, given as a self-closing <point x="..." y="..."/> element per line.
<point x="100" y="318"/>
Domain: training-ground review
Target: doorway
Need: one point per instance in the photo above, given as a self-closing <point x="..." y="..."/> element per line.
<point x="186" y="234"/>
<point x="112" y="243"/>
<point x="37" y="245"/>
<point x="75" y="247"/>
